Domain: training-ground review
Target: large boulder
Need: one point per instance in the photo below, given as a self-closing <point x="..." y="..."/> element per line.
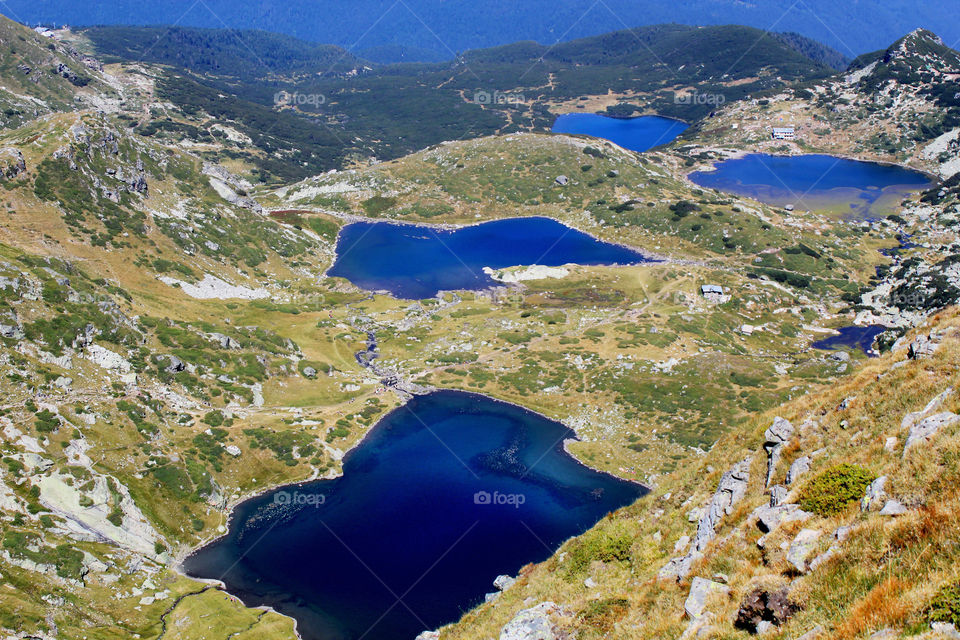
<point x="11" y="332"/>
<point x="893" y="508"/>
<point x="763" y="605"/>
<point x="799" y="467"/>
<point x="502" y="583"/>
<point x="701" y="590"/>
<point x="174" y="364"/>
<point x="534" y="623"/>
<point x="801" y="548"/>
<point x="926" y="429"/>
<point x="770" y="517"/>
<point x="225" y="341"/>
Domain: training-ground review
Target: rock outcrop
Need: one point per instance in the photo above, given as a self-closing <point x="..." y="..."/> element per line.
<point x="230" y="188"/>
<point x="775" y="438"/>
<point x="535" y="623"/>
<point x="112" y="515"/>
<point x="730" y="491"/>
<point x="12" y="163"/>
<point x="762" y="605"/>
<point x="924" y="346"/>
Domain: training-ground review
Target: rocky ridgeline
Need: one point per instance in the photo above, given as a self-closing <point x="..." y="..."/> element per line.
<point x="924" y="274"/>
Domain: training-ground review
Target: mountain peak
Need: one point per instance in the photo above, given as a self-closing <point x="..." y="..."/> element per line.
<point x="924" y="48"/>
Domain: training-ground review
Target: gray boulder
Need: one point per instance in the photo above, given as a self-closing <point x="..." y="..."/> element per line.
<point x="770" y="517"/>
<point x="914" y="417"/>
<point x="730" y="491"/>
<point x="840" y="535"/>
<point x="175" y="364"/>
<point x="924" y="346"/>
<point x="926" y="429"/>
<point x="799" y="467"/>
<point x="139" y="184"/>
<point x="11" y="332"/>
<point x="225" y="342"/>
<point x="502" y="583"/>
<point x="945" y="629"/>
<point x="801" y="548"/>
<point x="893" y="508"/>
<point x="875" y="495"/>
<point x="700" y="590"/>
<point x="309" y="372"/>
<point x="533" y="624"/>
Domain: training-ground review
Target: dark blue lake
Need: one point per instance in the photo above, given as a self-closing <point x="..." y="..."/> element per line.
<point x="636" y="134"/>
<point x="816" y="183"/>
<point x="417" y="262"/>
<point x="442" y="496"/>
<point x="852" y="337"/>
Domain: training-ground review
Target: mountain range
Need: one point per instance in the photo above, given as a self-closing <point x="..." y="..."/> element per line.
<point x="429" y="30"/>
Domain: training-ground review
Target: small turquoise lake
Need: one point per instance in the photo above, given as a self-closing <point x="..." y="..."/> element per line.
<point x="637" y="134"/>
<point x="416" y="262"/>
<point x="443" y="495"/>
<point x="820" y="183"/>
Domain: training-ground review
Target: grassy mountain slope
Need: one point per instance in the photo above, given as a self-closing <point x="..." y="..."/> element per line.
<point x="40" y="76"/>
<point x="879" y="572"/>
